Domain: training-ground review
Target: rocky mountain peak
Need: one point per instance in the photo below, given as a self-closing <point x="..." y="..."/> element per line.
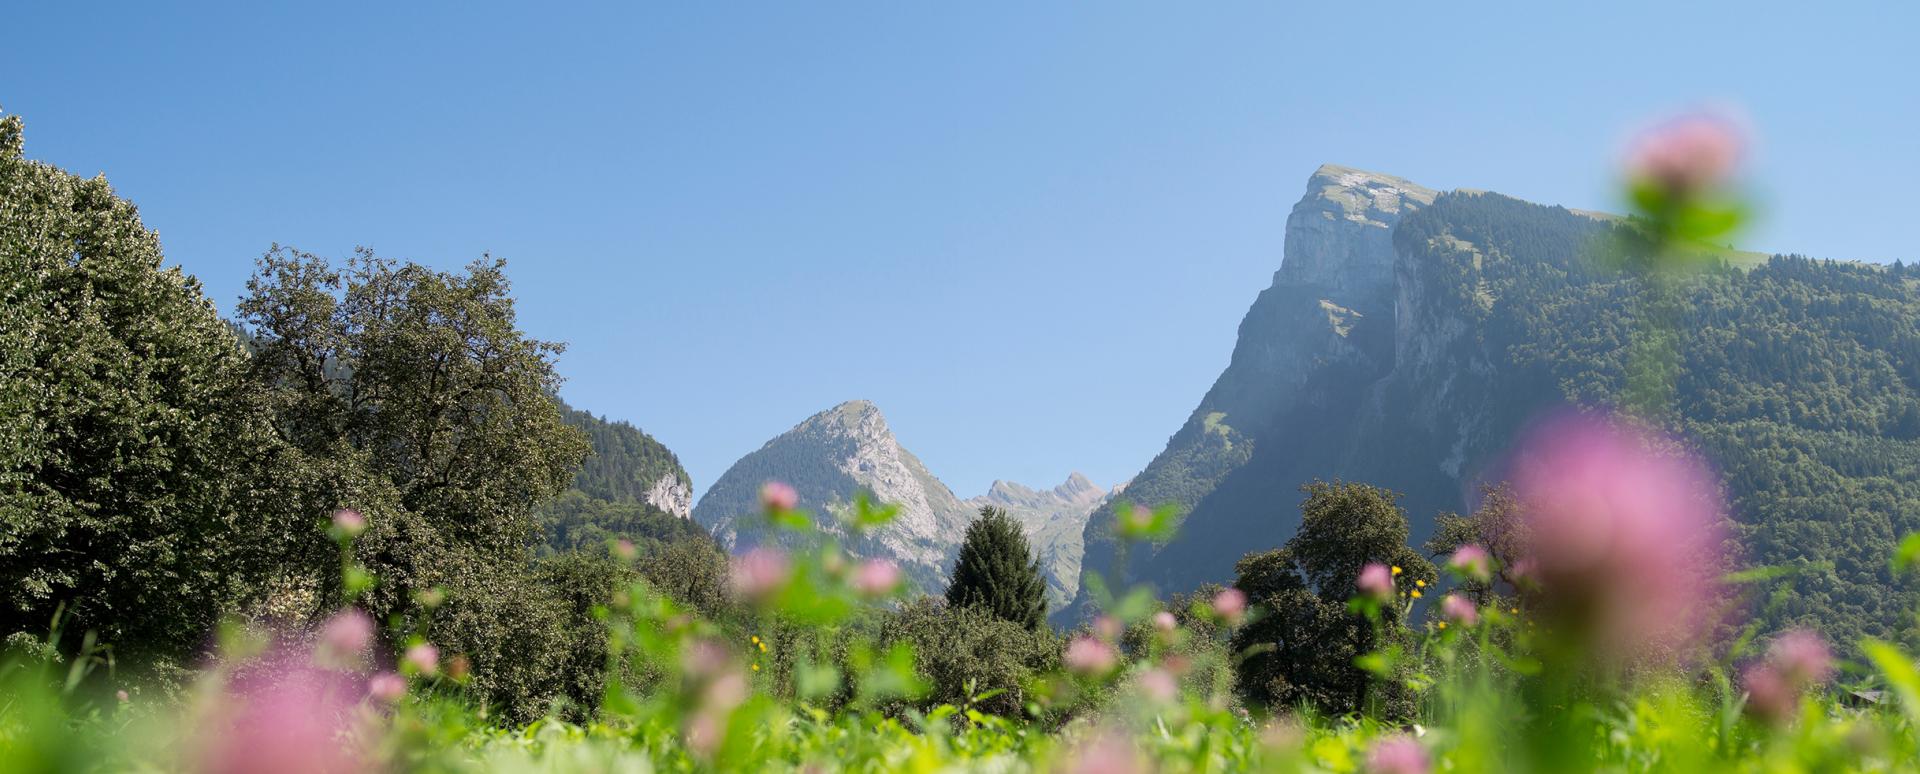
<point x="1339" y="236"/>
<point x="830" y="459"/>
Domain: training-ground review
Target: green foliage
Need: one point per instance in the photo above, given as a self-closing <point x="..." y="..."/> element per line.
<point x="966" y="652"/>
<point x="1305" y="639"/>
<point x="416" y="400"/>
<point x="997" y="572"/>
<point x="136" y="473"/>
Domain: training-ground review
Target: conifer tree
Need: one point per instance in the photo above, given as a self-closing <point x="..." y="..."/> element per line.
<point x="997" y="571"/>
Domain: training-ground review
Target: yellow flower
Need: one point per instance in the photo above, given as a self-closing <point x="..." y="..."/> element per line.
<point x="1420" y="583"/>
<point x="1443" y="624"/>
<point x="756" y="639"/>
<point x="1515" y="611"/>
<point x="756" y="667"/>
<point x="1416" y="593"/>
<point x="1397" y="570"/>
<point x="763" y="647"/>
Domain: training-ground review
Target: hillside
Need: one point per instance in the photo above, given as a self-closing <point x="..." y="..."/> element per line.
<point x="1801" y="378"/>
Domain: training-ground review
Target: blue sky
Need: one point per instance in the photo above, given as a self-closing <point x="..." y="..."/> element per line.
<point x="1027" y="231"/>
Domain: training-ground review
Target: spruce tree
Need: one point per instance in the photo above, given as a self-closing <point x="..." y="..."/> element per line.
<point x="997" y="571"/>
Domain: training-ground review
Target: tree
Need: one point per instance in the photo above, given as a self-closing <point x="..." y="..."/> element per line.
<point x="997" y="570"/>
<point x="417" y="401"/>
<point x="1496" y="525"/>
<point x="135" y="469"/>
<point x="1302" y="644"/>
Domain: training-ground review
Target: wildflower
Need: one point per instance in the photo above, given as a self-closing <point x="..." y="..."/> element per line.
<point x="423" y="659"/>
<point x="625" y="550"/>
<point x="1420" y="583"/>
<point x="707" y="727"/>
<point x="1415" y="594"/>
<point x="1376" y="582"/>
<point x="1624" y="537"/>
<point x="387" y="687"/>
<point x="287" y="717"/>
<point x="761" y="573"/>
<point x="1398" y="754"/>
<point x="1230" y="605"/>
<point x="1458" y="608"/>
<point x="705" y="658"/>
<point x="1397" y="571"/>
<point x="1138" y="518"/>
<point x="1107" y="628"/>
<point x="1802" y="656"/>
<point x="1796" y="662"/>
<point x="344" y="639"/>
<point x="1472" y="563"/>
<point x="1106" y="752"/>
<point x="756" y="666"/>
<point x="876" y="578"/>
<point x="1164" y="622"/>
<point x="348" y="522"/>
<point x="778" y="496"/>
<point x="1157" y="684"/>
<point x="121" y="696"/>
<point x="1687" y="155"/>
<point x="1089" y="657"/>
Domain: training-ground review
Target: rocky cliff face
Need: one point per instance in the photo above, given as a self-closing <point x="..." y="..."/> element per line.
<point x="1308" y="351"/>
<point x="671" y="494"/>
<point x="829" y="459"/>
<point x="1055" y="520"/>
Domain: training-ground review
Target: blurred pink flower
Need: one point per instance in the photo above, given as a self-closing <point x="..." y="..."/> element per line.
<point x="1089" y="657"/>
<point x="424" y="658"/>
<point x="1802" y="657"/>
<point x="1106" y="752"/>
<point x="349" y="522"/>
<point x="1138" y="517"/>
<point x="283" y="717"/>
<point x="1107" y="628"/>
<point x="121" y="696"/>
<point x="1771" y="697"/>
<point x="387" y="687"/>
<point x="1473" y="563"/>
<point x="876" y="578"/>
<point x="1797" y="661"/>
<point x="1158" y="684"/>
<point x="707" y="727"/>
<point x="1398" y="754"/>
<point x="761" y="572"/>
<point x="1459" y="609"/>
<point x="344" y="639"/>
<point x="778" y="496"/>
<point x="703" y="659"/>
<point x="625" y="550"/>
<point x="1626" y="536"/>
<point x="1230" y="605"/>
<point x="1688" y="154"/>
<point x="1376" y="582"/>
<point x="1165" y="622"/>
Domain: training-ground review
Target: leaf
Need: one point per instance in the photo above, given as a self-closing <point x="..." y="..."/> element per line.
<point x="1907" y="553"/>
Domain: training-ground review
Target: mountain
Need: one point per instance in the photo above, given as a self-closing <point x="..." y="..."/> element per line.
<point x="1055" y="520"/>
<point x="632" y="486"/>
<point x="829" y="459"/>
<point x="1409" y="334"/>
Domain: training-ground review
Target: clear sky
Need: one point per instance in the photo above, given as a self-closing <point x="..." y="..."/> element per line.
<point x="1026" y="230"/>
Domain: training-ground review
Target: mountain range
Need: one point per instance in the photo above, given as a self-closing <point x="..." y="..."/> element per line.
<point x="1407" y="336"/>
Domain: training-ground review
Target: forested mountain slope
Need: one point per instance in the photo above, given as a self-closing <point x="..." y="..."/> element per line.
<point x="1800" y="378"/>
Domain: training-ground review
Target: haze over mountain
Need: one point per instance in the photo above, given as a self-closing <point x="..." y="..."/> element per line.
<point x="1409" y="335"/>
<point x="1055" y="520"/>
